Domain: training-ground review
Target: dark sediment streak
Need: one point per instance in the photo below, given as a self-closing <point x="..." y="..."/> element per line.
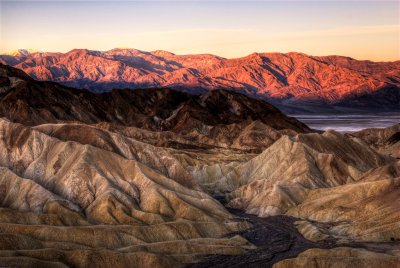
<point x="276" y="239"/>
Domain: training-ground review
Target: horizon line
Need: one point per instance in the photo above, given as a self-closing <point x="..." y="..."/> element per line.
<point x="7" y="53"/>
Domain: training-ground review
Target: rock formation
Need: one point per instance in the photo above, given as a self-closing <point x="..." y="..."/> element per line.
<point x="133" y="178"/>
<point x="280" y="177"/>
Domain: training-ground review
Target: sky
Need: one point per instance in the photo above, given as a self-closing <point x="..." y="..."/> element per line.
<point x="359" y="29"/>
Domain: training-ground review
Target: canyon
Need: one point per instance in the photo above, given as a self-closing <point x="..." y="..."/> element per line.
<point x="158" y="177"/>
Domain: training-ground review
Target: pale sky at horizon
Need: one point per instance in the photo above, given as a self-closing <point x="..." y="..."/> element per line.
<point x="359" y="29"/>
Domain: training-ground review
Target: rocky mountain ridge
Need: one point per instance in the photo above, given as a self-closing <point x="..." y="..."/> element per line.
<point x="293" y="81"/>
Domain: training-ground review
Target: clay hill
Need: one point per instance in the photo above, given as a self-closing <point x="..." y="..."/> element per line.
<point x="162" y="178"/>
<point x="295" y="82"/>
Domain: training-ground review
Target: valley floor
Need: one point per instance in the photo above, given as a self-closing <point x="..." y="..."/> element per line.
<point x="277" y="238"/>
<point x="350" y="122"/>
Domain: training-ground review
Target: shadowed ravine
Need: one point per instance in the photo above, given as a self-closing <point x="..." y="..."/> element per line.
<point x="276" y="239"/>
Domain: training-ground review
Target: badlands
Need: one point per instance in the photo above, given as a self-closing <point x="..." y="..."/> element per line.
<point x="162" y="178"/>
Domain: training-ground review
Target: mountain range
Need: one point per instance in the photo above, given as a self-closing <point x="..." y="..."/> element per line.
<point x="294" y="82"/>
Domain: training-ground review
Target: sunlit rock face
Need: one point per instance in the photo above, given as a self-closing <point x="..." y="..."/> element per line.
<point x="128" y="178"/>
<point x="296" y="78"/>
<point x="281" y="176"/>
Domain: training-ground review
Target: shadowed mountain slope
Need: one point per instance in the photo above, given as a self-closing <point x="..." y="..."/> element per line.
<point x="385" y="140"/>
<point x="29" y="102"/>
